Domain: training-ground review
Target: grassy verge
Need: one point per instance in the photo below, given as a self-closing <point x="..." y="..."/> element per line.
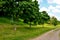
<point x="7" y="32"/>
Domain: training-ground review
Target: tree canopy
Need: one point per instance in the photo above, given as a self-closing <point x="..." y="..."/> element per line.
<point x="23" y="9"/>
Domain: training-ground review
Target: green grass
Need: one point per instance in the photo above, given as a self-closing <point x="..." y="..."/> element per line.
<point x="23" y="32"/>
<point x="9" y="21"/>
<point x="7" y="32"/>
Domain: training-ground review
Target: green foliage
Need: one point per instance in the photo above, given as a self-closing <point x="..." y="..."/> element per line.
<point x="44" y="17"/>
<point x="24" y="0"/>
<point x="54" y="21"/>
<point x="10" y="9"/>
<point x="4" y="20"/>
<point x="26" y="10"/>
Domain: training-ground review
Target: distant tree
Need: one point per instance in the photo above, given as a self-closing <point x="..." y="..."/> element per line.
<point x="44" y="17"/>
<point x="54" y="21"/>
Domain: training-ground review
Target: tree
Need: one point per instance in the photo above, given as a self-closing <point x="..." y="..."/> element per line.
<point x="29" y="12"/>
<point x="1" y="8"/>
<point x="23" y="0"/>
<point x="44" y="17"/>
<point x="24" y="9"/>
<point x="10" y="9"/>
<point x="54" y="21"/>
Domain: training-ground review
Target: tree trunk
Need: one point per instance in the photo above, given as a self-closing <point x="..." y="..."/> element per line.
<point x="15" y="27"/>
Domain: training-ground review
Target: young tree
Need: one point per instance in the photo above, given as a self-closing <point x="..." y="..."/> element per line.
<point x="44" y="17"/>
<point x="54" y="21"/>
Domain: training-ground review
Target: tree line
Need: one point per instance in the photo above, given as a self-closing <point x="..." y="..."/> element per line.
<point x="27" y="10"/>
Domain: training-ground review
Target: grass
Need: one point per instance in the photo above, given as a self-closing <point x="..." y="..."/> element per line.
<point x="9" y="21"/>
<point x="7" y="32"/>
<point x="23" y="32"/>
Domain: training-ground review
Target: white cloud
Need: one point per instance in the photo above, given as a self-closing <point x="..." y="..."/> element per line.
<point x="54" y="9"/>
<point x="44" y="9"/>
<point x="58" y="6"/>
<point x="50" y="1"/>
<point x="39" y="1"/>
<point x="51" y="9"/>
<point x="58" y="18"/>
<point x="57" y="1"/>
<point x="54" y="14"/>
<point x="54" y="1"/>
<point x="51" y="14"/>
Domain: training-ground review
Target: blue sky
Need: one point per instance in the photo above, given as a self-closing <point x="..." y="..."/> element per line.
<point x="51" y="6"/>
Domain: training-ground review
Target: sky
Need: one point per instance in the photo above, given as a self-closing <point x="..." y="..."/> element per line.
<point x="51" y="6"/>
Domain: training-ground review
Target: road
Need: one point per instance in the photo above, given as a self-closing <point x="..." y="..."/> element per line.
<point x="51" y="35"/>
